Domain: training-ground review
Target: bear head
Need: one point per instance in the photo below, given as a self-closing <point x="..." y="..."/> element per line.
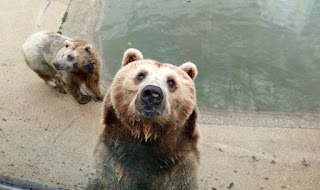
<point x="153" y="98"/>
<point x="76" y="56"/>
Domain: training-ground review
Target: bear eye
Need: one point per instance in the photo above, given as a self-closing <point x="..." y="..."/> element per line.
<point x="141" y="76"/>
<point x="70" y="58"/>
<point x="171" y="83"/>
<point x="67" y="45"/>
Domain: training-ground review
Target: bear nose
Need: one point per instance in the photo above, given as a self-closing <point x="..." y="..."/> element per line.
<point x="151" y="95"/>
<point x="56" y="64"/>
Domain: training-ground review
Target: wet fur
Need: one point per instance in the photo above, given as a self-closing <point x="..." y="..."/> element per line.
<point x="139" y="153"/>
<point x="126" y="162"/>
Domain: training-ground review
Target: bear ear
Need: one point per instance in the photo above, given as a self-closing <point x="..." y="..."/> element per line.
<point x="67" y="43"/>
<point x="190" y="69"/>
<point x="131" y="55"/>
<point x="88" y="48"/>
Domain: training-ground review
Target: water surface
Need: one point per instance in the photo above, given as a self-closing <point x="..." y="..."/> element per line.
<point x="258" y="55"/>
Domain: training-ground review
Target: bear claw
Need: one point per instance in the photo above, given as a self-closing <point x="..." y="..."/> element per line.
<point x="60" y="89"/>
<point x="84" y="99"/>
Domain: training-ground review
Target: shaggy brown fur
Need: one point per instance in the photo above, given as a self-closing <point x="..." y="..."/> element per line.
<point x="138" y="151"/>
<point x="65" y="64"/>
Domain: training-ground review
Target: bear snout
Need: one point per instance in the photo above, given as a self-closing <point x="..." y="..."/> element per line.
<point x="57" y="65"/>
<point x="151" y="96"/>
<point x="150" y="101"/>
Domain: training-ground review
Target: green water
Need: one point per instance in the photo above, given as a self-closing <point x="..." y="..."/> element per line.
<point x="259" y="55"/>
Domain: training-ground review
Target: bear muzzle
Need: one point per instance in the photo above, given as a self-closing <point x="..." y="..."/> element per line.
<point x="58" y="66"/>
<point x="62" y="67"/>
<point x="151" y="97"/>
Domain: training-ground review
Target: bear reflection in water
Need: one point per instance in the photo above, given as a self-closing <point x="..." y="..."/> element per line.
<point x="150" y="136"/>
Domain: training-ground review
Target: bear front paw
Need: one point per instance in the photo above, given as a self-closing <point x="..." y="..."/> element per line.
<point x="60" y="89"/>
<point x="84" y="99"/>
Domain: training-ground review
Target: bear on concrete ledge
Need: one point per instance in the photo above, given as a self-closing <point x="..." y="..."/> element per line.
<point x="65" y="64"/>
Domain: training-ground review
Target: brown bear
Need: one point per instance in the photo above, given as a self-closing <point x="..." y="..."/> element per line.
<point x="65" y="64"/>
<point x="150" y="136"/>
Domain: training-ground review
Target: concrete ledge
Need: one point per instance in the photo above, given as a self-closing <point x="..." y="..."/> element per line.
<point x="11" y="183"/>
<point x="269" y="120"/>
<point x="83" y="16"/>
